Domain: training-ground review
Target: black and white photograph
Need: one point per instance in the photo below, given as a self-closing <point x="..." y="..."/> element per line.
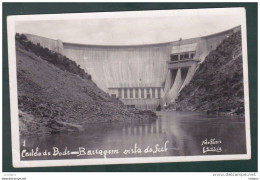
<point x="129" y="87"/>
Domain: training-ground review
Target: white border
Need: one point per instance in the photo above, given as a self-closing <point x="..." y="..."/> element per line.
<point x="159" y="13"/>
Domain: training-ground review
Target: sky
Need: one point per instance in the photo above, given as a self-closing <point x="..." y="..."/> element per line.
<point x="130" y="31"/>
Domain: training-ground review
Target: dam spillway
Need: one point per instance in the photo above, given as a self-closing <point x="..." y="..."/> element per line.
<point x="141" y="76"/>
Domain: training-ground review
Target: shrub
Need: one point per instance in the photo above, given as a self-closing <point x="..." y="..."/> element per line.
<point x="55" y="58"/>
<point x="23" y="37"/>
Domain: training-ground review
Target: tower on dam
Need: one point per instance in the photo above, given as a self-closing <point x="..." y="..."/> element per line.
<point x="141" y="76"/>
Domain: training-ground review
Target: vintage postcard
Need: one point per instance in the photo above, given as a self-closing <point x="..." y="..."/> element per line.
<point x="129" y="87"/>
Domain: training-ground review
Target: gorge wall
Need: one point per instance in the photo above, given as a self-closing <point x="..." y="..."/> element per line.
<point x="180" y="72"/>
<point x="55" y="95"/>
<point x="217" y="86"/>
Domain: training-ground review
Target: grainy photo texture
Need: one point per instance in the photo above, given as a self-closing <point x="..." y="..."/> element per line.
<point x="127" y="88"/>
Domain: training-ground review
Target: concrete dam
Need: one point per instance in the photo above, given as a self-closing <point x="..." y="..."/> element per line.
<point x="141" y="76"/>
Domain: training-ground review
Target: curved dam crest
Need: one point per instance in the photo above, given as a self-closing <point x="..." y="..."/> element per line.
<point x="141" y="76"/>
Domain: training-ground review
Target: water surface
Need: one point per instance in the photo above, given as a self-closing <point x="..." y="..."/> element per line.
<point x="181" y="132"/>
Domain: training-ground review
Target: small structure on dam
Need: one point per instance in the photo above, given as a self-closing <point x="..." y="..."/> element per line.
<point x="141" y="76"/>
<point x="181" y="68"/>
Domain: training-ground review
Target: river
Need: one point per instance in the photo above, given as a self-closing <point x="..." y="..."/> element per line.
<point x="172" y="134"/>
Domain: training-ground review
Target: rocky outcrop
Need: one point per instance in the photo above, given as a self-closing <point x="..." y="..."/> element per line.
<point x="217" y="86"/>
<point x="55" y="95"/>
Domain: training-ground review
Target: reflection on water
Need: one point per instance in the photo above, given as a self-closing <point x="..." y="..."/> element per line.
<point x="183" y="133"/>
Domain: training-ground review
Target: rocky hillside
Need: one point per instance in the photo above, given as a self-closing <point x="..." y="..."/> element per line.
<point x="55" y="95"/>
<point x="217" y="86"/>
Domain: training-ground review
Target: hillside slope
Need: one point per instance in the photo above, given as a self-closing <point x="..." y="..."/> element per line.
<point x="217" y="86"/>
<point x="53" y="99"/>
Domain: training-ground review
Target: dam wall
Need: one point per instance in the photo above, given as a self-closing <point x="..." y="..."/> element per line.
<point x="141" y="76"/>
<point x="122" y="66"/>
<point x="135" y="74"/>
<point x="53" y="45"/>
<point x="210" y="43"/>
